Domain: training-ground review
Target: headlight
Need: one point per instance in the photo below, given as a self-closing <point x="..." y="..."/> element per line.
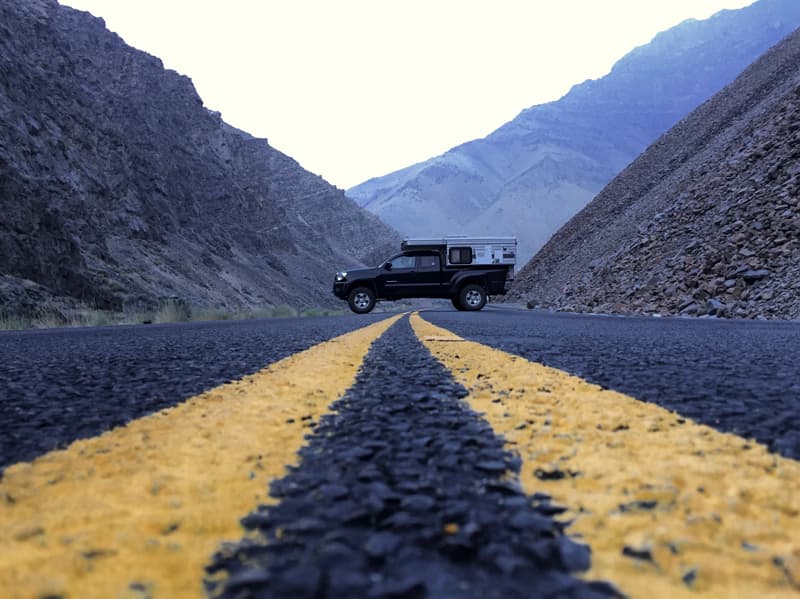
<point x="341" y="276"/>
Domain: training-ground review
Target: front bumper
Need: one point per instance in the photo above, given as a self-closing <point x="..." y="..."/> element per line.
<point x="340" y="289"/>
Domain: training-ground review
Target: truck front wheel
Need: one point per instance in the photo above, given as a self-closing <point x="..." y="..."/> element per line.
<point x="457" y="304"/>
<point x="361" y="300"/>
<point x="472" y="297"/>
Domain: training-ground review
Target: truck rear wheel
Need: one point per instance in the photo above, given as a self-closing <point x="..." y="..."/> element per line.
<point x="472" y="297"/>
<point x="361" y="300"/>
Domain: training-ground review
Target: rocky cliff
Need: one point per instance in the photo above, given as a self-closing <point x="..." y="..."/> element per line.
<point x="706" y="221"/>
<point x="118" y="188"/>
<point x="531" y="175"/>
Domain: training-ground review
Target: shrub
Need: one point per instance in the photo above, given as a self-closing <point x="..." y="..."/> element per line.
<point x="173" y="310"/>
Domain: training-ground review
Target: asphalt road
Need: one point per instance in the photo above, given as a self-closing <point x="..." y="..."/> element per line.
<point x="59" y="385"/>
<point x="404" y="462"/>
<point x="736" y="376"/>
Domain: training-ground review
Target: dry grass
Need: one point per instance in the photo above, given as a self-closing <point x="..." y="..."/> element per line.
<point x="203" y="314"/>
<point x="168" y="311"/>
<point x="173" y="311"/>
<point x="52" y="318"/>
<point x="10" y="322"/>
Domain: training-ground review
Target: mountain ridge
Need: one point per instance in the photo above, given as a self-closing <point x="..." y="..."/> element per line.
<point x="121" y="189"/>
<point x="593" y="132"/>
<point x="705" y="221"/>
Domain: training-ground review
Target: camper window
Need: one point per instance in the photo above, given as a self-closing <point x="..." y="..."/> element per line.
<point x="462" y="255"/>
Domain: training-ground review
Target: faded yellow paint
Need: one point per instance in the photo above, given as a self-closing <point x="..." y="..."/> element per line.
<point x="727" y="517"/>
<point x="139" y="510"/>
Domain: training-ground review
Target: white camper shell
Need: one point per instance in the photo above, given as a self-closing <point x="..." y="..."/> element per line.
<point x="462" y="250"/>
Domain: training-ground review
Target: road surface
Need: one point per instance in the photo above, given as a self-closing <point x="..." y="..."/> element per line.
<point x="440" y="454"/>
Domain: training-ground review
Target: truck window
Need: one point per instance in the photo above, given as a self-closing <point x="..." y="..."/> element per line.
<point x="430" y="262"/>
<point x="400" y="262"/>
<point x="461" y="255"/>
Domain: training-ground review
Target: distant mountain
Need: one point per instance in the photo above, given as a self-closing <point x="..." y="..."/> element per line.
<point x="534" y="173"/>
<point x="118" y="188"/>
<point x="706" y="221"/>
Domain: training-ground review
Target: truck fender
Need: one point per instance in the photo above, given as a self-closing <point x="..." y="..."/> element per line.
<point x="369" y="283"/>
<point x="462" y="278"/>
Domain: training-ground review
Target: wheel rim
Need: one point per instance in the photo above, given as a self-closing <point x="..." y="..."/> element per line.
<point x="361" y="300"/>
<point x="473" y="297"/>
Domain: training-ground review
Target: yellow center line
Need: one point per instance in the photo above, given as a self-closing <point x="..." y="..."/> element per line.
<point x="670" y="508"/>
<point x="139" y="510"/>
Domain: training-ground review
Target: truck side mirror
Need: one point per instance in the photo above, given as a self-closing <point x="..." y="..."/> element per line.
<point x="387" y="266"/>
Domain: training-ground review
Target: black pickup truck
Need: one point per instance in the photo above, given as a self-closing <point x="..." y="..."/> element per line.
<point x="464" y="270"/>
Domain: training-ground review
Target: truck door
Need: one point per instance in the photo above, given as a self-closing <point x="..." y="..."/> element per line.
<point x="428" y="280"/>
<point x="397" y="276"/>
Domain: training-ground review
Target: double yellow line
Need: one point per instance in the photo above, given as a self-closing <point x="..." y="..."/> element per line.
<point x="669" y="507"/>
<point x="140" y="510"/>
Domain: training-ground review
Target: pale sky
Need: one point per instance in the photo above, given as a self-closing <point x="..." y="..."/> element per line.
<point x="354" y="89"/>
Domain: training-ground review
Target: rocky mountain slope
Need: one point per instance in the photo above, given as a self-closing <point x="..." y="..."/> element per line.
<point x="118" y="188"/>
<point x="534" y="173"/>
<point x="706" y="221"/>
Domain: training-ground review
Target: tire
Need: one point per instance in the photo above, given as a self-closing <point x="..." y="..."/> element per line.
<point x="361" y="300"/>
<point x="456" y="304"/>
<point x="472" y="297"/>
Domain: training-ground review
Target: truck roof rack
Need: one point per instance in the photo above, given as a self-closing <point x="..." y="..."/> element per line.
<point x="450" y="240"/>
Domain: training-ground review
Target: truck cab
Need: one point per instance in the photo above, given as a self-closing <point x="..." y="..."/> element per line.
<point x="464" y="269"/>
